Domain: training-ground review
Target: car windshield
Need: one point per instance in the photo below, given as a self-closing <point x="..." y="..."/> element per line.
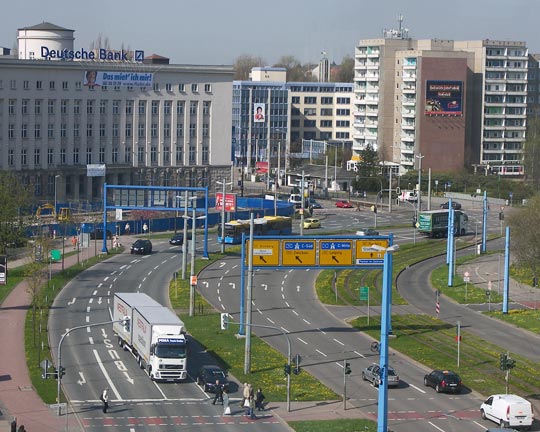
<point x="218" y="374"/>
<point x="171" y="351"/>
<point x="391" y="372"/>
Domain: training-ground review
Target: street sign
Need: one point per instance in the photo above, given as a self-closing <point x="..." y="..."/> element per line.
<point x="298" y="253"/>
<point x="194" y="280"/>
<point x="368" y="251"/>
<point x="335" y="253"/>
<point x="56" y="255"/>
<point x="466" y="277"/>
<point x="265" y="252"/>
<point x="364" y="293"/>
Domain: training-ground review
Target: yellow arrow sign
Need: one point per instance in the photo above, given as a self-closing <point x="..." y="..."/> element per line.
<point x="265" y="252"/>
<point x="298" y="253"/>
<point x="370" y="252"/>
<point x="335" y="253"/>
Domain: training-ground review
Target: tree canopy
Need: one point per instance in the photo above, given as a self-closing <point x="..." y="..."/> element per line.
<point x="13" y="197"/>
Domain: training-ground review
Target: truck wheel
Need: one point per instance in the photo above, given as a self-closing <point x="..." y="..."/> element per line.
<point x="120" y="342"/>
<point x="149" y="369"/>
<point x="140" y="361"/>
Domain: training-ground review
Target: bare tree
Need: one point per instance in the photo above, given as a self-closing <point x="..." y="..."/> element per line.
<point x="36" y="275"/>
<point x="345" y="71"/>
<point x="244" y="64"/>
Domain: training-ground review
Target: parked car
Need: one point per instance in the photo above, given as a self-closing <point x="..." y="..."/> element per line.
<point x="314" y="204"/>
<point x="373" y="375"/>
<point x="508" y="410"/>
<point x="455" y="205"/>
<point x="141" y="247"/>
<point x="312" y="223"/>
<point x="444" y="381"/>
<point x="97" y="234"/>
<point x="367" y="232"/>
<point x="296" y="199"/>
<point x="177" y="239"/>
<point x="343" y="204"/>
<point x="208" y="375"/>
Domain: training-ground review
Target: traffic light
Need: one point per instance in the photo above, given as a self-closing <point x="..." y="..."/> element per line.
<point x="374" y="209"/>
<point x="501" y="216"/>
<point x="224" y="321"/>
<point x="535" y="282"/>
<point x="297" y="369"/>
<point x="287" y="369"/>
<point x="347" y="369"/>
<point x="510" y="363"/>
<point x="503" y="361"/>
<point x="62" y="372"/>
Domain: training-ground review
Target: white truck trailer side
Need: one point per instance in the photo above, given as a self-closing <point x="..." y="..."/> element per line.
<point x="154" y="335"/>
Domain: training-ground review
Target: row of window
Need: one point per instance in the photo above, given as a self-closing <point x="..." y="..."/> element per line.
<point x="101" y="155"/>
<point x="103" y="106"/>
<point x="141" y="130"/>
<point x="324" y="112"/>
<point x="312" y="100"/>
<point x="322" y="123"/>
<point x="26" y="85"/>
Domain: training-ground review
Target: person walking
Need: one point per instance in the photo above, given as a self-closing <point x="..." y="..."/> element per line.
<point x="226" y="407"/>
<point x="259" y="398"/>
<point x="245" y="394"/>
<point x="105" y="399"/>
<point x="251" y="407"/>
<point x="219" y="393"/>
<point x="127" y="228"/>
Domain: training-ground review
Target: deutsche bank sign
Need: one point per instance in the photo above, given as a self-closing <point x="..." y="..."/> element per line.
<point x="99" y="54"/>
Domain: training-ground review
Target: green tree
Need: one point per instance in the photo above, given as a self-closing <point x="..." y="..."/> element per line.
<point x="368" y="175"/>
<point x="531" y="152"/>
<point x="13" y="197"/>
<point x="244" y="64"/>
<point x="296" y="72"/>
<point x="525" y="243"/>
<point x="345" y="72"/>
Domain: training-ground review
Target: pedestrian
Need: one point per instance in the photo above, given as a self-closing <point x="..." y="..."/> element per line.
<point x="245" y="394"/>
<point x="226" y="407"/>
<point x="259" y="398"/>
<point x="251" y="408"/>
<point x="21" y="429"/>
<point x="358" y="206"/>
<point x="219" y="393"/>
<point x="74" y="242"/>
<point x="105" y="399"/>
<point x="127" y="228"/>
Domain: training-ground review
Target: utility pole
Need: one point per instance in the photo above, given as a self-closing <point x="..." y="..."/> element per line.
<point x="303" y="206"/>
<point x="419" y="192"/>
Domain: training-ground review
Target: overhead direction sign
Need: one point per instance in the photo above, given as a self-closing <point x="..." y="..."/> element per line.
<point x="335" y="253"/>
<point x="368" y="251"/>
<point x="265" y="252"/>
<point x="298" y="253"/>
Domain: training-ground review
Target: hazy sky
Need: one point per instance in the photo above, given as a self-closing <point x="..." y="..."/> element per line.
<point x="218" y="31"/>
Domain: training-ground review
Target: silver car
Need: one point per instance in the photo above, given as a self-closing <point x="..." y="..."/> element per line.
<point x="373" y="375"/>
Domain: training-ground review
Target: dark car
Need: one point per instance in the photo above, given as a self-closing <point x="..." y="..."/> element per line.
<point x="177" y="240"/>
<point x="455" y="205"/>
<point x="343" y="204"/>
<point x="444" y="381"/>
<point x="97" y="234"/>
<point x="314" y="204"/>
<point x="141" y="247"/>
<point x="209" y="374"/>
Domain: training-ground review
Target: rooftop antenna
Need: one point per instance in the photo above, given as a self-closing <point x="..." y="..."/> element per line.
<point x="400" y="33"/>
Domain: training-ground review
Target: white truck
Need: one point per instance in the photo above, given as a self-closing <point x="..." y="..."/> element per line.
<point x="153" y="334"/>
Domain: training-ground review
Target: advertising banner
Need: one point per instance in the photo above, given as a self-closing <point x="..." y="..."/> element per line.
<point x="230" y="201"/>
<point x="95" y="170"/>
<point x="261" y="167"/>
<point x="125" y="79"/>
<point x="259" y="113"/>
<point x="444" y="98"/>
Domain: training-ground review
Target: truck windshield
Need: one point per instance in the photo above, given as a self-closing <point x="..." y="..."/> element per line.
<point x="168" y="350"/>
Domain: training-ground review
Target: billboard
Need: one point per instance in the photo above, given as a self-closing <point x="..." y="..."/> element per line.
<point x="444" y="98"/>
<point x="259" y="112"/>
<point x="129" y="79"/>
<point x="230" y="201"/>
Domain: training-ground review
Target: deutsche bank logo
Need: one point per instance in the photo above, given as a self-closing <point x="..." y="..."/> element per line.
<point x="139" y="55"/>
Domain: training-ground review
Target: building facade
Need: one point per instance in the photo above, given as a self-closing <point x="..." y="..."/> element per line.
<point x="148" y="122"/>
<point x="458" y="104"/>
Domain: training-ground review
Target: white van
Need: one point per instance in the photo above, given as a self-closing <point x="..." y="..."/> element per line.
<point x="508" y="410"/>
<point x="408" y="196"/>
<point x="296" y="199"/>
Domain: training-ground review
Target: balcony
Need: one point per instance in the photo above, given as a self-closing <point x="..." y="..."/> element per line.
<point x="372" y="66"/>
<point x="408" y="113"/>
<point x="409" y="77"/>
<point x="407" y="137"/>
<point x="409" y="102"/>
<point x="409" y="89"/>
<point x="408" y="126"/>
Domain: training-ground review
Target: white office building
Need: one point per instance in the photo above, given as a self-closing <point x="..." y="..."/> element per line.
<point x="146" y="121"/>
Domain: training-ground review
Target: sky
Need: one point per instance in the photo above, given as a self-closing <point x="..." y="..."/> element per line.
<point x="216" y="32"/>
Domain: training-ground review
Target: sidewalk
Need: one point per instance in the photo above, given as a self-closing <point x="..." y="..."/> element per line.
<point x="17" y="396"/>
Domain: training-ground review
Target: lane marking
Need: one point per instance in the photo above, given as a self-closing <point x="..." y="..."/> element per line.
<point x="339" y="342"/>
<point x="321" y="353"/>
<point x="107" y="377"/>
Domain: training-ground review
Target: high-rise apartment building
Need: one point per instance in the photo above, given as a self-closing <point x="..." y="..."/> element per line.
<point x="456" y="104"/>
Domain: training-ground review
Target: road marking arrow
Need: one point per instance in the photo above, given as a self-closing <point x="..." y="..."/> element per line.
<point x="222" y="264"/>
<point x="233" y="284"/>
<point x="82" y="380"/>
<point x="99" y="300"/>
<point x="205" y="284"/>
<point x="72" y="301"/>
<point x="128" y="378"/>
<point x="265" y="286"/>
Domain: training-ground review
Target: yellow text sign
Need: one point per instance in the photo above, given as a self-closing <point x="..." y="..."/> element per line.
<point x="370" y="251"/>
<point x="335" y="253"/>
<point x="265" y="252"/>
<point x="298" y="253"/>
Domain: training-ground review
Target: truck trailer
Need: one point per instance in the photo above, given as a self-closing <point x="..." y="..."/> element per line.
<point x="434" y="223"/>
<point x="153" y="334"/>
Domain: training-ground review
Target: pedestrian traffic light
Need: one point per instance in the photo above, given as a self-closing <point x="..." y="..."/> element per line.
<point x="374" y="209"/>
<point x="347" y="369"/>
<point x="224" y="321"/>
<point x="535" y="282"/>
<point x="287" y="369"/>
<point x="503" y="361"/>
<point x="501" y="216"/>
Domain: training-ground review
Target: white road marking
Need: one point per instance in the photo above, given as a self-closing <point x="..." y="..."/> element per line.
<point x="232" y="284"/>
<point x="339" y="342"/>
<point x="306" y="321"/>
<point x="265" y="286"/>
<point x="94" y="293"/>
<point x="273" y="322"/>
<point x="285" y="330"/>
<point x="90" y="339"/>
<point x="358" y="354"/>
<point x="417" y="388"/>
<point x="321" y="353"/>
<point x="294" y="312"/>
<point x="303" y="341"/>
<point x="436" y="427"/>
<point x="107" y="377"/>
<point x="106" y="278"/>
<point x="72" y="301"/>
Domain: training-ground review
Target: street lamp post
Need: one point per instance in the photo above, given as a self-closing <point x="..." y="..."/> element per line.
<point x="55" y="178"/>
<point x="192" y="266"/>
<point x="59" y="353"/>
<point x="419" y="193"/>
<point x="223" y="184"/>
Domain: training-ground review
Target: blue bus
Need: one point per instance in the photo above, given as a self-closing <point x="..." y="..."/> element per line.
<point x="265" y="226"/>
